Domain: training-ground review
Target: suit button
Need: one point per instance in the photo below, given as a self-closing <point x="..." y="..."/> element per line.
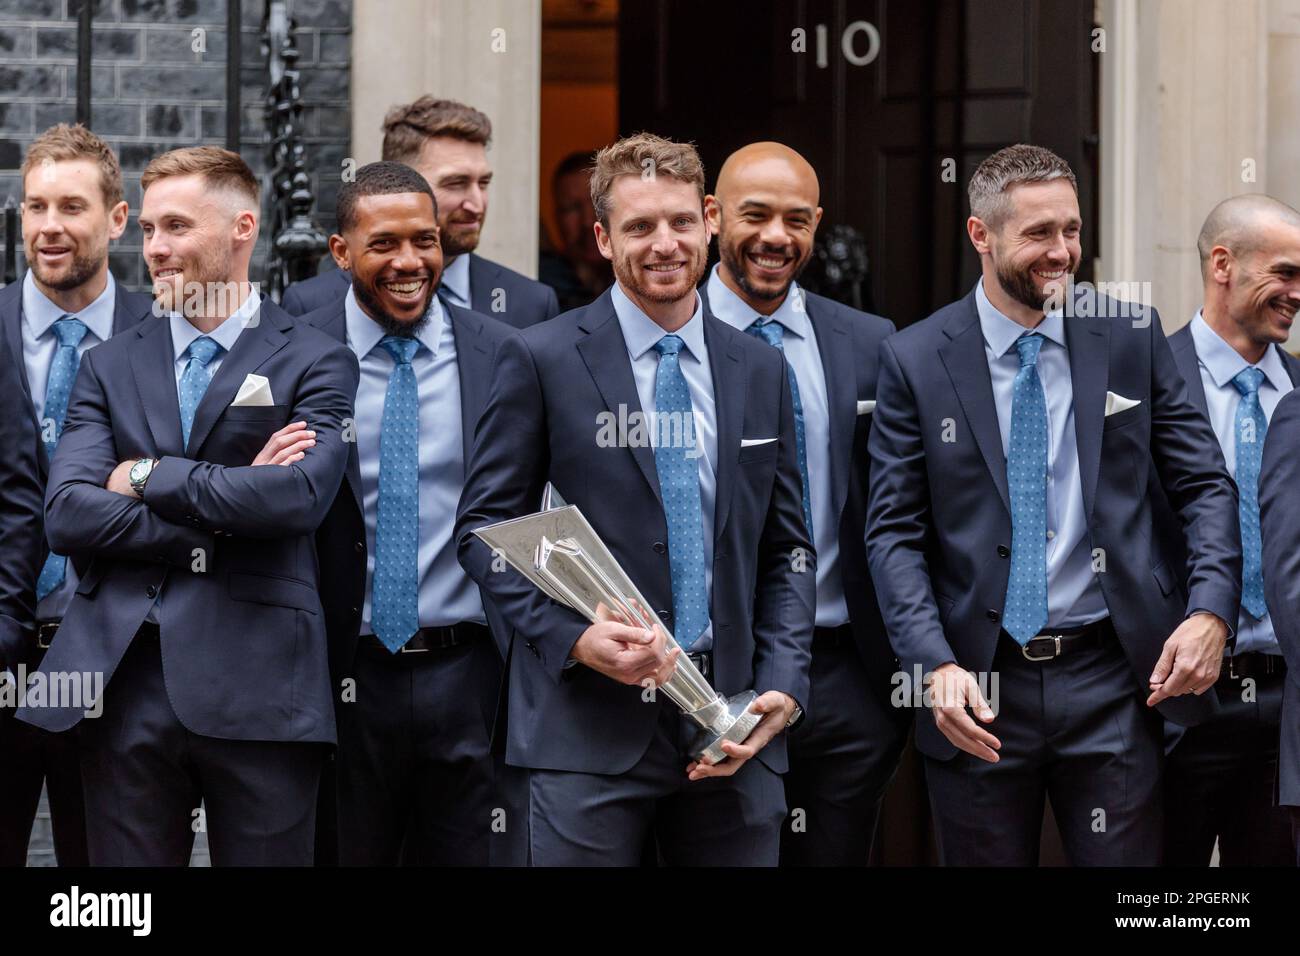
<point x="356" y="610"/>
<point x="992" y="614"/>
<point x="359" y="547"/>
<point x="151" y="591"/>
<point x="1004" y="551"/>
<point x="659" y="547"/>
<point x="665" y="615"/>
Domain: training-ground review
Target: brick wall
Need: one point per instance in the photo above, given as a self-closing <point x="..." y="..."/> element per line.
<point x="151" y="91"/>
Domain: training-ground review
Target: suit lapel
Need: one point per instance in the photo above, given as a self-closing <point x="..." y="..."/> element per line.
<point x="12" y="321"/>
<point x="1089" y="345"/>
<point x="124" y="316"/>
<point x="1292" y="365"/>
<point x="334" y="324"/>
<point x="730" y="385"/>
<point x="154" y="364"/>
<point x="968" y="368"/>
<point x="1184" y="349"/>
<point x="259" y="340"/>
<point x="473" y="369"/>
<point x="605" y="354"/>
<point x="835" y="343"/>
<point x="480" y="284"/>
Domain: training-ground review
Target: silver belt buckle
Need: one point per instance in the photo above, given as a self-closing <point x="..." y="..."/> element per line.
<point x="45" y="634"/>
<point x="1031" y="657"/>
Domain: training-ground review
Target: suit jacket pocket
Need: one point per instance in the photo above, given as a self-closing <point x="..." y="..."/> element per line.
<point x="1126" y="417"/>
<point x="273" y="590"/>
<point x="763" y="452"/>
<point x="255" y="413"/>
<point x="90" y="581"/>
<point x="1164" y="577"/>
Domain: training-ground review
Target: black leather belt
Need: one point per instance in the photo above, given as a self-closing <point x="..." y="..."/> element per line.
<point x="1049" y="645"/>
<point x="704" y="661"/>
<point x="832" y="636"/>
<point x="45" y="631"/>
<point x="428" y="639"/>
<point x="1253" y="665"/>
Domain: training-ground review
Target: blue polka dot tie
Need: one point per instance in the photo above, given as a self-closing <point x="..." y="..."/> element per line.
<point x="195" y="380"/>
<point x="1250" y="426"/>
<point x="773" y="334"/>
<point x="395" y="588"/>
<point x="1024" y="613"/>
<point x="679" y="485"/>
<point x="63" y="372"/>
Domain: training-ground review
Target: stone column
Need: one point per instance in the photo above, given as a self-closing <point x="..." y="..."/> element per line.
<point x="486" y="53"/>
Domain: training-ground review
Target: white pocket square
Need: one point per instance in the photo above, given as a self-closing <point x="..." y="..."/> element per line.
<point x="1118" y="403"/>
<point x="255" y="391"/>
<point x="750" y="442"/>
<point x="866" y="408"/>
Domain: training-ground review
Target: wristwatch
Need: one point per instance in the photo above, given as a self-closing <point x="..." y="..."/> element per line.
<point x="140" y="473"/>
<point x="794" y="717"/>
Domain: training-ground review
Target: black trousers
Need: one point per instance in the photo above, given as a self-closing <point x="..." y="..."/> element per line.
<point x="842" y="757"/>
<point x="417" y="781"/>
<point x="1220" y="782"/>
<point x="1075" y="729"/>
<point x="145" y="776"/>
<point x="29" y="758"/>
<point x="590" y="819"/>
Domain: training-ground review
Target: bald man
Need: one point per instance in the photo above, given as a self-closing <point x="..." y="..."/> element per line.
<point x="765" y="212"/>
<point x="1221" y="774"/>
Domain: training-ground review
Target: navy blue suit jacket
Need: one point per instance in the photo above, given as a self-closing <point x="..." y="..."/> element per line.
<point x="341" y="538"/>
<point x="848" y="342"/>
<point x="1279" y="516"/>
<point x="523" y="301"/>
<point x="229" y="546"/>
<point x="15" y="530"/>
<point x="540" y="425"/>
<point x="939" y="519"/>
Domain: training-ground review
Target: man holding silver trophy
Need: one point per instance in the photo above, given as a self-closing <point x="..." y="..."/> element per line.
<point x="672" y="437"/>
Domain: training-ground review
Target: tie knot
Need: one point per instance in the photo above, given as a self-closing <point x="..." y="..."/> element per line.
<point x="203" y="350"/>
<point x="767" y="330"/>
<point x="1248" y="381"/>
<point x="669" y="345"/>
<point x="400" y="347"/>
<point x="70" y="331"/>
<point x="1028" y="346"/>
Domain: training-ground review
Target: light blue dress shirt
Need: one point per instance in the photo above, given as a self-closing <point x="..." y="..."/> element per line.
<point x="800" y="346"/>
<point x="1074" y="596"/>
<point x="455" y="280"/>
<point x="225" y="335"/>
<point x="447" y="595"/>
<point x="1219" y="363"/>
<point x="39" y="346"/>
<point x="640" y="333"/>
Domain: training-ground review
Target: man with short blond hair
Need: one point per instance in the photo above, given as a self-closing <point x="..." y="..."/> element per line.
<point x="67" y="302"/>
<point x="201" y="452"/>
<point x="446" y="142"/>
<point x="708" y="524"/>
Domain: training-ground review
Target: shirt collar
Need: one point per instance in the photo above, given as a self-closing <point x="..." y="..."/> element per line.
<point x="225" y="334"/>
<point x="1000" y="332"/>
<point x="640" y="332"/>
<point x="364" y="333"/>
<point x="40" y="313"/>
<point x="455" y="278"/>
<point x="737" y="313"/>
<point x="1224" y="363"/>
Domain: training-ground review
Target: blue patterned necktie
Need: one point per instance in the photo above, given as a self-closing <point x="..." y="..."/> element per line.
<point x="395" y="589"/>
<point x="773" y="334"/>
<point x="195" y="381"/>
<point x="58" y="389"/>
<point x="1024" y="613"/>
<point x="1250" y="426"/>
<point x="679" y="484"/>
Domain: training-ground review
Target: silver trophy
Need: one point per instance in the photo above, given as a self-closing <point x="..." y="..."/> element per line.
<point x="558" y="551"/>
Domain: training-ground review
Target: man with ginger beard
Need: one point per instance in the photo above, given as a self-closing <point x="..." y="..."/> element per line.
<point x="708" y="525"/>
<point x="67" y="303"/>
<point x="417" y="782"/>
<point x="1011" y="538"/>
<point x="201" y="451"/>
<point x="765" y="212"/>
<point x="446" y="142"/>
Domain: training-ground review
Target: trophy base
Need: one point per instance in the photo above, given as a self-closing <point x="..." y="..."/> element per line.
<point x="739" y="722"/>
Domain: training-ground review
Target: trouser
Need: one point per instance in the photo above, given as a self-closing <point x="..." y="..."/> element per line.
<point x="145" y="776"/>
<point x="842" y="757"/>
<point x="589" y="819"/>
<point x="1074" y="729"/>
